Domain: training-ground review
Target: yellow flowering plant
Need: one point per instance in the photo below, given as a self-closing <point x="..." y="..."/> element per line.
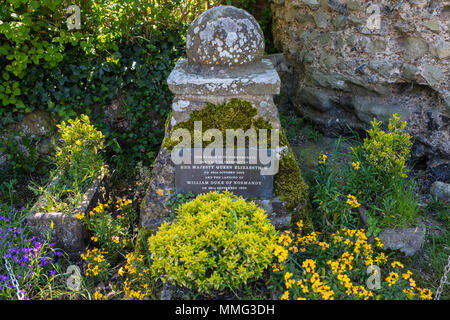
<point x="373" y="181"/>
<point x="344" y="267"/>
<point x="82" y="147"/>
<point x="109" y="232"/>
<point x="388" y="151"/>
<point x="138" y="283"/>
<point x="97" y="266"/>
<point x="322" y="159"/>
<point x="333" y="205"/>
<point x="78" y="162"/>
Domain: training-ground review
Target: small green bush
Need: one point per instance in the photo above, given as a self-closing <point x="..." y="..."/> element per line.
<point x="82" y="145"/>
<point x="218" y="241"/>
<point x="388" y="151"/>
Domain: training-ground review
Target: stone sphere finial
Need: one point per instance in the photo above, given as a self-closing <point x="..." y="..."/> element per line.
<point x="224" y="36"/>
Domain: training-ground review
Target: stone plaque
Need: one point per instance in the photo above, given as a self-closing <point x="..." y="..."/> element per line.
<point x="244" y="172"/>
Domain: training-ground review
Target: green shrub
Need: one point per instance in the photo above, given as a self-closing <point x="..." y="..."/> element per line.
<point x="388" y="152"/>
<point x="124" y="50"/>
<point x="82" y="146"/>
<point x="218" y="241"/>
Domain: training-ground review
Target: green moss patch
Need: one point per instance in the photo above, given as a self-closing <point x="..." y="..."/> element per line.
<point x="290" y="187"/>
<point x="235" y="114"/>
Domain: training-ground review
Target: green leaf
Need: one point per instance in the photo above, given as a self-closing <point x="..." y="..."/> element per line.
<point x="35" y="5"/>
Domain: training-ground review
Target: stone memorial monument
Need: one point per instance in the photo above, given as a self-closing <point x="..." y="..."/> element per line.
<point x="225" y="83"/>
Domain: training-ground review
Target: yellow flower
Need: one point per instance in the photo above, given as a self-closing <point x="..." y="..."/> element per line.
<point x="98" y="295"/>
<point x="409" y="292"/>
<point x="425" y="294"/>
<point x="285" y="296"/>
<point x="309" y="265"/>
<point x="356" y="165"/>
<point x="121" y="272"/>
<point x="351" y="200"/>
<point x="381" y="258"/>
<point x="94" y="238"/>
<point x="323" y="245"/>
<point x="392" y="279"/>
<point x="379" y="244"/>
<point x="407" y="275"/>
<point x="115" y="239"/>
<point x="322" y="159"/>
<point x="288" y="280"/>
<point x="80" y="216"/>
<point x="288" y="275"/>
<point x="396" y="264"/>
<point x="281" y="253"/>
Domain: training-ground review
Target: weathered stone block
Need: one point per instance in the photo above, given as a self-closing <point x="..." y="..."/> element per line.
<point x="68" y="232"/>
<point x="314" y="98"/>
<point x="259" y="78"/>
<point x="441" y="190"/>
<point x="367" y="110"/>
<point x="224" y="36"/>
<point x="432" y="74"/>
<point x="432" y="25"/>
<point x="321" y="18"/>
<point x="407" y="240"/>
<point x="415" y="48"/>
<point x="382" y="67"/>
<point x="441" y="51"/>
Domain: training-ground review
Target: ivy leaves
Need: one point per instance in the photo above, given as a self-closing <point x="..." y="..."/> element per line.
<point x="128" y="52"/>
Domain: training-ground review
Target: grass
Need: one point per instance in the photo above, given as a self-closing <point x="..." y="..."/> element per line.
<point x="437" y="245"/>
<point x="298" y="128"/>
<point x="399" y="208"/>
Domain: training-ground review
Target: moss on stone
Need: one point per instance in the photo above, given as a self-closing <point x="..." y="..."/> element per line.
<point x="289" y="185"/>
<point x="235" y="114"/>
<point x="141" y="241"/>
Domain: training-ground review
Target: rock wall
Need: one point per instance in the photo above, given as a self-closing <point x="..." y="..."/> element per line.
<point x="347" y="69"/>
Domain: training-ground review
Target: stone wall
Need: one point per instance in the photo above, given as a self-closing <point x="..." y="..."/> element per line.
<point x="345" y="73"/>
